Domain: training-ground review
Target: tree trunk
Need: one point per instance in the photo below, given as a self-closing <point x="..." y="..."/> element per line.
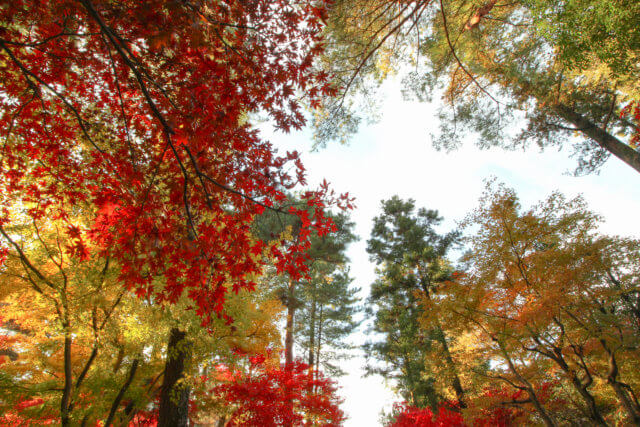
<point x="319" y="347"/>
<point x="451" y="367"/>
<point x="612" y="379"/>
<point x="548" y="421"/>
<point x="174" y="394"/>
<point x="68" y="379"/>
<point x="589" y="400"/>
<point x="312" y="334"/>
<point x="319" y="339"/>
<point x="123" y="390"/>
<point x="632" y="306"/>
<point x="602" y="138"/>
<point x="581" y="387"/>
<point x="288" y="340"/>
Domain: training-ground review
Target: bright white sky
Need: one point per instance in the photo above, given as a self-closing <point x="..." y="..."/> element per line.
<point x="395" y="156"/>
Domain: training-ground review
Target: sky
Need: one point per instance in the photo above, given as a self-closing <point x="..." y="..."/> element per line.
<point x="395" y="156"/>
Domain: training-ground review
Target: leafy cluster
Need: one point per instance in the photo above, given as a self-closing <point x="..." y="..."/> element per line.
<point x="280" y="396"/>
<point x="510" y="73"/>
<point x="538" y="325"/>
<point x="131" y="179"/>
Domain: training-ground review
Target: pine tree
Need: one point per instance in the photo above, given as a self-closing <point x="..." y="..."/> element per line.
<point x="411" y="259"/>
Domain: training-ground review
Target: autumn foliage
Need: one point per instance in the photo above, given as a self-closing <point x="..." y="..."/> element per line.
<point x="546" y="313"/>
<point x="139" y="201"/>
<point x="130" y="167"/>
<point x="408" y="416"/>
<point x="280" y="395"/>
<point x="139" y="111"/>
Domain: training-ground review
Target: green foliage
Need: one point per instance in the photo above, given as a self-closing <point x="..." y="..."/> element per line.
<point x="410" y="258"/>
<point x="326" y="319"/>
<point x="588" y="32"/>
<point x="513" y="74"/>
<point x="324" y="305"/>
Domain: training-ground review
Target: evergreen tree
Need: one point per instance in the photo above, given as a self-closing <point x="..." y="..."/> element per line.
<point x="411" y="259"/>
<point x="327" y="318"/>
<point x="321" y="308"/>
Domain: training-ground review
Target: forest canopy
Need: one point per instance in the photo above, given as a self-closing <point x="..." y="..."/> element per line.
<point x="163" y="263"/>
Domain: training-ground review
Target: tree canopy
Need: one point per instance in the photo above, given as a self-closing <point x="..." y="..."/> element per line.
<point x="542" y="66"/>
<point x="162" y="263"/>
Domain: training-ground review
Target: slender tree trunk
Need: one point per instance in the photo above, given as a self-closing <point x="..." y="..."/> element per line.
<point x="589" y="400"/>
<point x="319" y="346"/>
<point x="581" y="387"/>
<point x="320" y="323"/>
<point x="451" y="366"/>
<point x="119" y="357"/>
<point x="131" y="410"/>
<point x="601" y="137"/>
<point x="123" y="390"/>
<point x="174" y="394"/>
<point x="312" y="334"/>
<point x="548" y="421"/>
<point x="68" y="379"/>
<point x="612" y="379"/>
<point x="288" y="340"/>
<point x="633" y="307"/>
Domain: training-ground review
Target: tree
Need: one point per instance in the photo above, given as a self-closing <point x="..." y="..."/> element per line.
<point x="411" y="256"/>
<point x="263" y="396"/>
<point x="77" y="348"/>
<point x="68" y="321"/>
<point x="326" y="320"/>
<point x="538" y="304"/>
<point x="149" y="103"/>
<point x="535" y="62"/>
<point x="139" y="111"/>
<point x="327" y="301"/>
<point x="321" y="305"/>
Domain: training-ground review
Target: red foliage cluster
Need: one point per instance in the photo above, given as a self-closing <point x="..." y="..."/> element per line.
<point x="498" y="415"/>
<point x="632" y="112"/>
<point x="495" y="407"/>
<point x="136" y="109"/>
<point x="409" y="416"/>
<point x="280" y="396"/>
<point x="17" y="418"/>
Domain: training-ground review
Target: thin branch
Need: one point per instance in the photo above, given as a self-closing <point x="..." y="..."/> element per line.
<point x="29" y="75"/>
<point x="453" y="52"/>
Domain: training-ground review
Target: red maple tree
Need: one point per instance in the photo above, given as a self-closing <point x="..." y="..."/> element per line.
<point x="410" y="416"/>
<point x="138" y="110"/>
<point x="280" y="396"/>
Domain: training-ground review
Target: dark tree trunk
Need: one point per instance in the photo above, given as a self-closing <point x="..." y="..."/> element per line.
<point x="602" y="138"/>
<point x="582" y="387"/>
<point x="123" y="390"/>
<point x="618" y="387"/>
<point x="68" y="380"/>
<point x="632" y="306"/>
<point x="451" y="366"/>
<point x="319" y="340"/>
<point x="546" y="418"/>
<point x="174" y="394"/>
<point x="288" y="340"/>
<point x="312" y="334"/>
